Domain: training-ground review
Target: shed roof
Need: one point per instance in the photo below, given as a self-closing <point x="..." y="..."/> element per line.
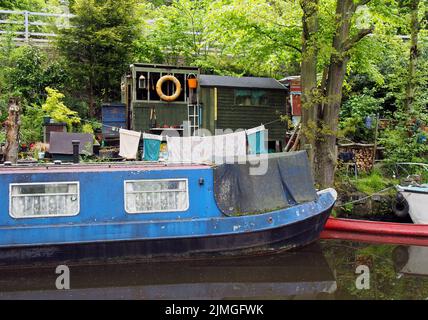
<point x="239" y="82"/>
<point x="61" y="143"/>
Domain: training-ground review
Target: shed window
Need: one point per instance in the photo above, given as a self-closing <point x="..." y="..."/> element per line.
<point x="145" y="196"/>
<point x="51" y="199"/>
<point x="251" y="97"/>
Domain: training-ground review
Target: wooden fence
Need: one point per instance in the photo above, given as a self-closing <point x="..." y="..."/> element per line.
<point x="35" y="27"/>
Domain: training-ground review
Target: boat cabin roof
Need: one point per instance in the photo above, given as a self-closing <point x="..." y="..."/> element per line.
<point x="97" y="167"/>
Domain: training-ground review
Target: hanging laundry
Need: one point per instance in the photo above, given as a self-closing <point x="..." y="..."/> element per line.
<point x="368" y="122"/>
<point x="235" y="146"/>
<point x="179" y="149"/>
<point x="191" y="150"/>
<point x="218" y="149"/>
<point x="151" y="146"/>
<point x="257" y="140"/>
<point x="129" y="141"/>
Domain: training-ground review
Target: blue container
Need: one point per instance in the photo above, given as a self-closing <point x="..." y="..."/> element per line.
<point x="113" y="115"/>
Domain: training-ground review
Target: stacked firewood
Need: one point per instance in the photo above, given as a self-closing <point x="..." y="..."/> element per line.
<point x="363" y="157"/>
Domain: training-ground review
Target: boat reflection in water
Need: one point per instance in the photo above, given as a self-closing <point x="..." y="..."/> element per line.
<point x="303" y="274"/>
<point x="411" y="260"/>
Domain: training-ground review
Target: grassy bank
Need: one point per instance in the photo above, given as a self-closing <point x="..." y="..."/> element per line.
<point x="371" y="188"/>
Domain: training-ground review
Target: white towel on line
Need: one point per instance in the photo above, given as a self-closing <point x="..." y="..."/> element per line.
<point x="218" y="149"/>
<point x="129" y="141"/>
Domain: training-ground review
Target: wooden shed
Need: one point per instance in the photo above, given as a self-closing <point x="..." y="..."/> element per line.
<point x="217" y="102"/>
<point x="243" y="103"/>
<point x="145" y="109"/>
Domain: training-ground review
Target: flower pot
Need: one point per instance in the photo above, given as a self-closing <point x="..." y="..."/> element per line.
<point x="192" y="82"/>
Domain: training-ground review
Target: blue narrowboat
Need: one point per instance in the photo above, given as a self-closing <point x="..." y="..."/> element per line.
<point x="129" y="209"/>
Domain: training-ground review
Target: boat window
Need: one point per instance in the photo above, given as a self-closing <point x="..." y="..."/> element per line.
<point x="146" y="196"/>
<point x="37" y="200"/>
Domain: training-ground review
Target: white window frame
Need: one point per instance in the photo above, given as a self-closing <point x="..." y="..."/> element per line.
<point x="45" y="215"/>
<point x="155" y="180"/>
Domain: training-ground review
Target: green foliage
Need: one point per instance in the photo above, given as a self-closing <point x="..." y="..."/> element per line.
<point x="372" y="183"/>
<point x="354" y="111"/>
<point x="230" y="37"/>
<point x="402" y="145"/>
<point x="87" y="128"/>
<point x="26" y="71"/>
<point x="2" y="137"/>
<point x="31" y="129"/>
<point x="99" y="47"/>
<point x="347" y="208"/>
<point x="177" y="32"/>
<point x="386" y="278"/>
<point x="58" y="111"/>
<point x="226" y="37"/>
<point x="31" y="5"/>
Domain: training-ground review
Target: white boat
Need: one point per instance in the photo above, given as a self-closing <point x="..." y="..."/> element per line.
<point x="411" y="260"/>
<point x="412" y="196"/>
<point x="416" y="202"/>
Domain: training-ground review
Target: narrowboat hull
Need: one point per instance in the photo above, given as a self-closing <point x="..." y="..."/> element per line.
<point x="278" y="238"/>
<point x="118" y="211"/>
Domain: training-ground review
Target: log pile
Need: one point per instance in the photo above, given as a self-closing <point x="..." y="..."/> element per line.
<point x="363" y="155"/>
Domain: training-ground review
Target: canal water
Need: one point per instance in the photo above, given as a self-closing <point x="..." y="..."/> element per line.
<point x="328" y="269"/>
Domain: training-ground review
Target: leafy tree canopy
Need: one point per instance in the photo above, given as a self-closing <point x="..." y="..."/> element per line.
<point x="99" y="46"/>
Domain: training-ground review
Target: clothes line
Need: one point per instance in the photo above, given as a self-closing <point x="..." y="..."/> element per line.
<point x="271" y="122"/>
<point x="117" y="128"/>
<point x="194" y="149"/>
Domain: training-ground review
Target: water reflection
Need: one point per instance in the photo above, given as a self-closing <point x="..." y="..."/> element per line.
<point x="303" y="274"/>
<point x="411" y="260"/>
<point x="394" y="272"/>
<point x="326" y="270"/>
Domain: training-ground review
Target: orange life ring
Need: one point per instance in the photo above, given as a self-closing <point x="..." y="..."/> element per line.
<point x="177" y="88"/>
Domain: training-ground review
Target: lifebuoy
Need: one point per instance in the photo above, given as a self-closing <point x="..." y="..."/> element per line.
<point x="177" y="88"/>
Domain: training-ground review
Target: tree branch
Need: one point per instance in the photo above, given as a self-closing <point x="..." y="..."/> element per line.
<point x="355" y="39"/>
<point x="362" y="2"/>
<point x="257" y="28"/>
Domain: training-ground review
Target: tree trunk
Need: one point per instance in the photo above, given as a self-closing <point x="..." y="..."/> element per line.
<point x="12" y="132"/>
<point x="414" y="27"/>
<point x="326" y="153"/>
<point x="309" y="77"/>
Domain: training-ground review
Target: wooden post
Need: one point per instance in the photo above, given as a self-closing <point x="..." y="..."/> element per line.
<point x="375" y="140"/>
<point x="27" y="26"/>
<point x="12" y="131"/>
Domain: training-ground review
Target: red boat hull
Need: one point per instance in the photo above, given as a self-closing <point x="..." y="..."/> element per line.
<point x="374" y="231"/>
